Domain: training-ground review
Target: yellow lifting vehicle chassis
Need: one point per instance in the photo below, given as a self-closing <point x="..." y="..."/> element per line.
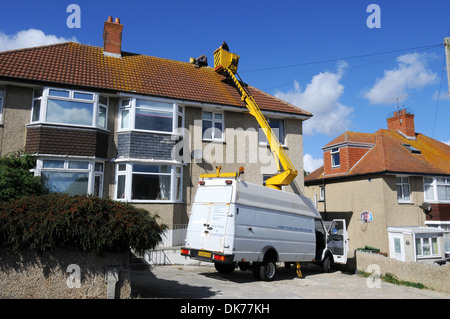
<point x="227" y="63"/>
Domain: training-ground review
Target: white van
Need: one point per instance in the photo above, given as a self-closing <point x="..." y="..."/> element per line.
<point x="234" y="223"/>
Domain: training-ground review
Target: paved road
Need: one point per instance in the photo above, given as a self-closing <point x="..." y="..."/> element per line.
<point x="204" y="282"/>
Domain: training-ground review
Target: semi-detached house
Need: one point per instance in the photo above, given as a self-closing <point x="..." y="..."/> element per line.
<point x="391" y="186"/>
<point x="134" y="127"/>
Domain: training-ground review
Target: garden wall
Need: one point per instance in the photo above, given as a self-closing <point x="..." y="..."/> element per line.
<point x="62" y="274"/>
<point x="432" y="276"/>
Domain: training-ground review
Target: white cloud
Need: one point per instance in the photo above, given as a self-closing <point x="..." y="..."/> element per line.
<point x="448" y="142"/>
<point x="321" y="98"/>
<point x="310" y="164"/>
<point x="411" y="73"/>
<point x="29" y="38"/>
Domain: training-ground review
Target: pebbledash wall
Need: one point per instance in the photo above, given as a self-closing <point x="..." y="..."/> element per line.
<point x="432" y="276"/>
<point x="62" y="274"/>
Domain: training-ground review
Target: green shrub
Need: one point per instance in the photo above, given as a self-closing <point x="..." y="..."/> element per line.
<point x="16" y="180"/>
<point x="81" y="222"/>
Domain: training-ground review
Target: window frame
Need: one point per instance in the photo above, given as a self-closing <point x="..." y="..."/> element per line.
<point x="124" y="171"/>
<point x="262" y="138"/>
<point x="321" y="193"/>
<point x="400" y="181"/>
<point x="214" y="121"/>
<point x="2" y="99"/>
<point x="92" y="170"/>
<point x="434" y="248"/>
<point x="435" y="183"/>
<point x="128" y="106"/>
<point x="41" y="101"/>
<point x="335" y="152"/>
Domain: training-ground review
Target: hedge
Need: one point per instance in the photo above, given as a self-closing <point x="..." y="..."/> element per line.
<point x="81" y="222"/>
<point x="16" y="180"/>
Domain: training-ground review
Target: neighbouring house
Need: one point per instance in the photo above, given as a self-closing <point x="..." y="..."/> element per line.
<point x="133" y="127"/>
<point x="392" y="187"/>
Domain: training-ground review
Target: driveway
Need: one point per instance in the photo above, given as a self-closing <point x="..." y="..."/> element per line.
<point x="204" y="282"/>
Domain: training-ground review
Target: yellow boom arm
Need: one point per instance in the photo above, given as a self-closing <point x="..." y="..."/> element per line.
<point x="226" y="63"/>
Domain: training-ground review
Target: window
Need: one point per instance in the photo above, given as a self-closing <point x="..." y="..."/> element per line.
<point x="212" y="126"/>
<point x="437" y="189"/>
<point x="321" y="193"/>
<point x="277" y="127"/>
<point x="69" y="107"/>
<point x="335" y="157"/>
<point x="427" y="246"/>
<point x="142" y="182"/>
<point x="72" y="176"/>
<point x="403" y="190"/>
<point x="2" y="94"/>
<point x="149" y="115"/>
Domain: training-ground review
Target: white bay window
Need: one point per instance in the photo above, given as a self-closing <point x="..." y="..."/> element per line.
<point x="150" y="115"/>
<point x="69" y="107"/>
<point x="71" y="176"/>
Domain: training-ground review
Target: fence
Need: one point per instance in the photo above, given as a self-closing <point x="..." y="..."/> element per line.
<point x="174" y="236"/>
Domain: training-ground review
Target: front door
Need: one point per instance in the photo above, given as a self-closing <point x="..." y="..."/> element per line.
<point x="337" y="240"/>
<point x="396" y="247"/>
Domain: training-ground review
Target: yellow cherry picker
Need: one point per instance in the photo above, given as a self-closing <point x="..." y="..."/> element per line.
<point x="226" y="63"/>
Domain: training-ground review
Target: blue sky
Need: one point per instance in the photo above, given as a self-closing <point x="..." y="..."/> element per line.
<point x="282" y="45"/>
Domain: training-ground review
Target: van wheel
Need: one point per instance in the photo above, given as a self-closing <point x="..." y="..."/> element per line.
<point x="225" y="268"/>
<point x="326" y="263"/>
<point x="256" y="267"/>
<point x="267" y="270"/>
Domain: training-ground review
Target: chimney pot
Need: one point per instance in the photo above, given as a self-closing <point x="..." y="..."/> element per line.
<point x="110" y="19"/>
<point x="117" y="20"/>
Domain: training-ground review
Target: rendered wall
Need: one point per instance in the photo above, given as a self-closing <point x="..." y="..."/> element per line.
<point x="29" y="275"/>
<point x="432" y="276"/>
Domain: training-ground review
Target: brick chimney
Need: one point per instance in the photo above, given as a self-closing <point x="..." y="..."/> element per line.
<point x="112" y="38"/>
<point x="402" y="121"/>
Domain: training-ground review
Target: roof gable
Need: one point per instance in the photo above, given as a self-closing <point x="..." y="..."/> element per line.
<point x="86" y="66"/>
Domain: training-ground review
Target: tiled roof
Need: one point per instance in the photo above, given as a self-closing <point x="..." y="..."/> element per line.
<point x="355" y="137"/>
<point x="391" y="153"/>
<point x="74" y="64"/>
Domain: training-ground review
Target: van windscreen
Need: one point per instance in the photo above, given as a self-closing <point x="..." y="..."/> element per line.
<point x="213" y="194"/>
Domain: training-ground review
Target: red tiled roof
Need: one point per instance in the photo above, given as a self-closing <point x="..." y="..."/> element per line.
<point x="390" y="155"/>
<point x="366" y="138"/>
<point x="74" y="64"/>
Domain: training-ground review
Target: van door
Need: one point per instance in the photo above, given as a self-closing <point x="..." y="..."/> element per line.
<point x="216" y="227"/>
<point x="337" y="240"/>
<point x="207" y="226"/>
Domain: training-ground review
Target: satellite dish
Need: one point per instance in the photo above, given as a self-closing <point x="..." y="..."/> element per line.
<point x="197" y="154"/>
<point x="426" y="207"/>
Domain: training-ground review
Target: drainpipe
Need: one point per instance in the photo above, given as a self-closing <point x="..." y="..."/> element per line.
<point x="324" y="200"/>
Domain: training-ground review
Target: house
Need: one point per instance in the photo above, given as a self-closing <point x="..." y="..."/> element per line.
<point x="393" y="181"/>
<point x="133" y="127"/>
